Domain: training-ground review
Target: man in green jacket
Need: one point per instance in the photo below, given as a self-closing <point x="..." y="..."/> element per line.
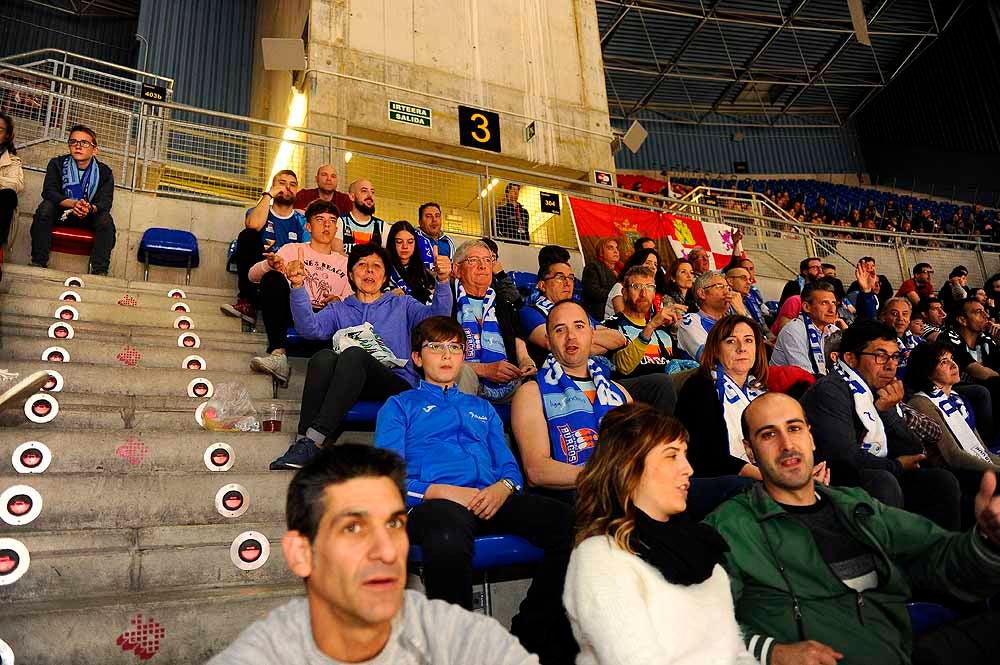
<point x="821" y="574"/>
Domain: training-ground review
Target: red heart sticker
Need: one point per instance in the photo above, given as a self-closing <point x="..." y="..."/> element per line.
<point x="128" y="301"/>
<point x="133" y="450"/>
<point x="129" y="355"/>
<point x="144" y="637"/>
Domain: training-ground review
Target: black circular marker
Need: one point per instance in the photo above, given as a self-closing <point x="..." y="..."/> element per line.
<point x="232" y="500"/>
<point x="200" y="389"/>
<point x="184" y="325"/>
<point x="74" y="282"/>
<point x="176" y="295"/>
<point x="70" y="298"/>
<point x="179" y="308"/>
<point x="189" y="341"/>
<point x="9" y="561"/>
<point x="194" y="364"/>
<point x="61" y="332"/>
<point x="50" y="383"/>
<point x="19" y="505"/>
<point x="31" y="457"/>
<point x="250" y="550"/>
<point x="66" y="315"/>
<point x="41" y="408"/>
<point x="220" y="457"/>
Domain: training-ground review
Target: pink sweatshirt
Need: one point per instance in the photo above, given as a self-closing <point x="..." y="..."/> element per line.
<point x="325" y="273"/>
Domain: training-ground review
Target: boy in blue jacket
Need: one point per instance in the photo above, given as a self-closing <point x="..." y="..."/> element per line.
<point x="462" y="482"/>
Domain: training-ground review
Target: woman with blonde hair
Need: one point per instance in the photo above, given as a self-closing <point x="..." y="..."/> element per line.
<point x="645" y="584"/>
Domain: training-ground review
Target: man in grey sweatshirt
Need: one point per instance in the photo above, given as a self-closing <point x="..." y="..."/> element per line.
<point x="346" y="538"/>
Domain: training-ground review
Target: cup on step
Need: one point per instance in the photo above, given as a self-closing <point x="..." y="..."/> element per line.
<point x="270" y="420"/>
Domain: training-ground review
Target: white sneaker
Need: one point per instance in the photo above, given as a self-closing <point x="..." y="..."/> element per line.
<point x="274" y="364"/>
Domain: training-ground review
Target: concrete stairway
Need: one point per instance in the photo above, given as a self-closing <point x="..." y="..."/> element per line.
<point x="130" y="559"/>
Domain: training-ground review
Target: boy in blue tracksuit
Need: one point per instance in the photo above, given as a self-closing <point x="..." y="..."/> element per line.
<point x="462" y="482"/>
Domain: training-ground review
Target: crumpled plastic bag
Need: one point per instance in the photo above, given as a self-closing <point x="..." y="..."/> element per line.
<point x="365" y="337"/>
<point x="230" y="410"/>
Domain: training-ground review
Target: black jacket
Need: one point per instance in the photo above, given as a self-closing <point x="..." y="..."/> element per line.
<point x="52" y="188"/>
<point x="700" y="411"/>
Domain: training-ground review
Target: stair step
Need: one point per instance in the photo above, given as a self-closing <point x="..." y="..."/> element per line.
<point x="117" y="315"/>
<point x="197" y="623"/>
<point x="89" y="501"/>
<point x="74" y="564"/>
<point x="111" y="294"/>
<point x="43" y="275"/>
<point x="138" y="452"/>
<point x="14" y="325"/>
<point x="87" y="411"/>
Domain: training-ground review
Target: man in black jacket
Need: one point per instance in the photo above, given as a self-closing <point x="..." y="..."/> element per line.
<point x="860" y="431"/>
<point x="78" y="191"/>
<point x="810" y="270"/>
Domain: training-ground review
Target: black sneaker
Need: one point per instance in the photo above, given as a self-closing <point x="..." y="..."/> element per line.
<point x="296" y="456"/>
<point x="36" y="264"/>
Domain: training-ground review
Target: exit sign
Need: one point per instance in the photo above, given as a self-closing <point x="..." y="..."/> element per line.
<point x="409" y="114"/>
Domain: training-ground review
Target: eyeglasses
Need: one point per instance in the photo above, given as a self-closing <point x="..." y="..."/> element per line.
<point x="83" y="144"/>
<point x="718" y="285"/>
<point x="478" y="262"/>
<point x="439" y="348"/>
<point x="560" y="277"/>
<point x="881" y="357"/>
<point x="642" y="287"/>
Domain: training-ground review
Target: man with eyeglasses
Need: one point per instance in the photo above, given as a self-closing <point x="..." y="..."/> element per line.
<point x="462" y="482"/>
<point x="740" y="281"/>
<point x="715" y="299"/>
<point x="860" y="431"/>
<point x="919" y="286"/>
<point x="496" y="358"/>
<point x="78" y="191"/>
<point x="810" y="270"/>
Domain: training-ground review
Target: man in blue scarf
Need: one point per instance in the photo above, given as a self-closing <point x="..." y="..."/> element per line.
<point x="78" y="191"/>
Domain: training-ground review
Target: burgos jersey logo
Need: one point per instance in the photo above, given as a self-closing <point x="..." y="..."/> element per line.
<point x="575" y="442"/>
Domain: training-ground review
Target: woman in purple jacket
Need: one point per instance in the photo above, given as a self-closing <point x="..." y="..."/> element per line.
<point x="336" y="382"/>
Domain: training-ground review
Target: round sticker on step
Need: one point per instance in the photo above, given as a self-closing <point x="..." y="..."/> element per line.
<point x="14" y="562"/>
<point x="31" y="457"/>
<point x="232" y="500"/>
<point x="189" y="340"/>
<point x="67" y="313"/>
<point x="200" y="387"/>
<point x="199" y="414"/>
<point x="194" y="362"/>
<point x="250" y="550"/>
<point x="180" y="307"/>
<point x="73" y="282"/>
<point x="6" y="653"/>
<point x="56" y="354"/>
<point x="54" y="383"/>
<point x="183" y="323"/>
<point x="176" y="293"/>
<point x="219" y="457"/>
<point x="41" y="408"/>
<point x="61" y="330"/>
<point x="70" y="296"/>
<point x="20" y="505"/>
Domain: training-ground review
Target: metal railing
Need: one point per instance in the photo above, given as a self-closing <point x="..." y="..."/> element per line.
<point x="177" y="150"/>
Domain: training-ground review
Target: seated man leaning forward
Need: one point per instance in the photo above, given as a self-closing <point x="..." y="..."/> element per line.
<point x="496" y="358"/>
<point x="347" y="540"/>
<point x="822" y="574"/>
<point x="462" y="482"/>
<point x="555" y="418"/>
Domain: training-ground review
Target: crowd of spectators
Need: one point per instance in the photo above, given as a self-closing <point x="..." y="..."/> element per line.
<point x="841" y="446"/>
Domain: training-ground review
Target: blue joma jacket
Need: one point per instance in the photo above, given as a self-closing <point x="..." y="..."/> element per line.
<point x="446" y="437"/>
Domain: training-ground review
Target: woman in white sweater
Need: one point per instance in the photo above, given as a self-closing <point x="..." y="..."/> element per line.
<point x="644" y="584"/>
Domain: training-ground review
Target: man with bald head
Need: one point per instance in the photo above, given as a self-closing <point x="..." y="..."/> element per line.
<point x="325" y="190"/>
<point x="359" y="225"/>
<point x="821" y="574"/>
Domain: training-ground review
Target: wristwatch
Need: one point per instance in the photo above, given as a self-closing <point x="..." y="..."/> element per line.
<point x="511" y="485"/>
<point x="266" y="194"/>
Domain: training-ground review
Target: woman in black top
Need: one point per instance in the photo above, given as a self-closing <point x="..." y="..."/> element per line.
<point x="407" y="273"/>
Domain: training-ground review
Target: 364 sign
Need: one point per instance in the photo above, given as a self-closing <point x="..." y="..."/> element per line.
<point x="478" y="128"/>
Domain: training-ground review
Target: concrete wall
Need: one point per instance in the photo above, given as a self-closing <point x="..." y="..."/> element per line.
<point x="539" y="58"/>
<point x="271" y="91"/>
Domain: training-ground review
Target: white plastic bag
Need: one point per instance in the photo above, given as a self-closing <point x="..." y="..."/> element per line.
<point x="230" y="410"/>
<point x="365" y="337"/>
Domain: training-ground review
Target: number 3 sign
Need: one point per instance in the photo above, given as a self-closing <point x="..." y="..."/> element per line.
<point x="478" y="128"/>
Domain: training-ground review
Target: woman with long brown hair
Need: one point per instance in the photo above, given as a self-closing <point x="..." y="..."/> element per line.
<point x="644" y="583"/>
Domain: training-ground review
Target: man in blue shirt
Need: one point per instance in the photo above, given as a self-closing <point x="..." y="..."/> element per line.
<point x="271" y="223"/>
<point x="462" y="482"/>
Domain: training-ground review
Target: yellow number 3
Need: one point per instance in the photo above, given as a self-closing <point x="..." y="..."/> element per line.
<point x="482" y="126"/>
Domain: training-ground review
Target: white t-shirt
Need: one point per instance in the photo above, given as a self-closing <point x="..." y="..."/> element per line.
<point x="609" y="308"/>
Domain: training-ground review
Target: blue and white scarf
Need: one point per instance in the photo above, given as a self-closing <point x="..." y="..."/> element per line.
<point x="483" y="340"/>
<point x="396" y="281"/>
<point x="875" y="441"/>
<point x="753" y="308"/>
<point x="80" y="186"/>
<point x="815" y="338"/>
<point x="734" y="400"/>
<point x="960" y="421"/>
<point x="425" y="250"/>
<point x="572" y="420"/>
<point x="544" y="304"/>
<point x="906" y="343"/>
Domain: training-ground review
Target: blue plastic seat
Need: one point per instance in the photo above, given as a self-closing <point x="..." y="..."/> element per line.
<point x="230" y="258"/>
<point x="927" y="616"/>
<point x="494" y="552"/>
<point x="168" y="247"/>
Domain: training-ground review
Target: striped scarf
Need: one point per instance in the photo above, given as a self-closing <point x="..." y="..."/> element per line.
<point x="484" y="342"/>
<point x="960" y="421"/>
<point x="80" y="186"/>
